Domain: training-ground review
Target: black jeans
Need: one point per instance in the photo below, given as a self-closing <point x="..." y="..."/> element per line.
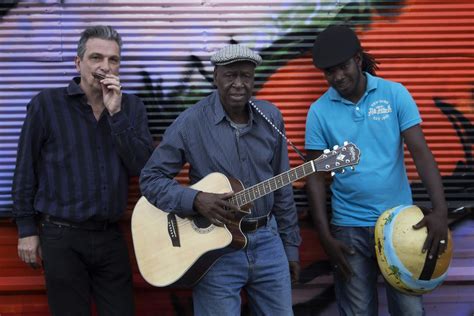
<point x="82" y="264"/>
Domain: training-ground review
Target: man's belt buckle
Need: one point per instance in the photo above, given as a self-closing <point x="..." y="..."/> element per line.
<point x="251" y="225"/>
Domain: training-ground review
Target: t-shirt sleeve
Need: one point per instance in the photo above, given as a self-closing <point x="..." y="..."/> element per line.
<point x="314" y="139"/>
<point x="408" y="114"/>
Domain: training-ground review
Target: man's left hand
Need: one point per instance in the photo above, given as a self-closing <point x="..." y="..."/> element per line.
<point x="294" y="271"/>
<point x="112" y="93"/>
<point x="436" y="222"/>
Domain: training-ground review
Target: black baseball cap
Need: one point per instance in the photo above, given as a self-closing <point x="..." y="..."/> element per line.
<point x="335" y="45"/>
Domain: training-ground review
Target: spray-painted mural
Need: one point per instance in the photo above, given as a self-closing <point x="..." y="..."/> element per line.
<point x="426" y="45"/>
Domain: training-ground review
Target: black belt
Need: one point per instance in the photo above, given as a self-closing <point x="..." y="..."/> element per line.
<point x="252" y="224"/>
<point x="87" y="225"/>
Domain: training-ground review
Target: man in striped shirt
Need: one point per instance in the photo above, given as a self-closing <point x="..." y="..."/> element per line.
<point x="78" y="147"/>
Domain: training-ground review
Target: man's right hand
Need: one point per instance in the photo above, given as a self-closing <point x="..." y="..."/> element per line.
<point x="215" y="207"/>
<point x="337" y="251"/>
<point x="29" y="251"/>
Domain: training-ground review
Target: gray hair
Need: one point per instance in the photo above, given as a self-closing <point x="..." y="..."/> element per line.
<point x="104" y="32"/>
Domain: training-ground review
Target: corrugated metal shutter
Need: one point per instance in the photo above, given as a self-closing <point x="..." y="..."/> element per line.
<point x="427" y="45"/>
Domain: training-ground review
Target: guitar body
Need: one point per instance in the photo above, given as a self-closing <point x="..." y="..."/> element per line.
<point x="175" y="251"/>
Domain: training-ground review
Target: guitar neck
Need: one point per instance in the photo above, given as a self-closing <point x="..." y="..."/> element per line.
<point x="337" y="159"/>
<point x="252" y="193"/>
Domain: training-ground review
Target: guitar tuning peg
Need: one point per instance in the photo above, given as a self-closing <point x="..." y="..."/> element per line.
<point x="326" y="151"/>
<point x="346" y="143"/>
<point x="342" y="170"/>
<point x="335" y="147"/>
<point x="333" y="173"/>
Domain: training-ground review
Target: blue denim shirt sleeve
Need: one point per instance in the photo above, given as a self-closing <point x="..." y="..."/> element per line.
<point x="157" y="181"/>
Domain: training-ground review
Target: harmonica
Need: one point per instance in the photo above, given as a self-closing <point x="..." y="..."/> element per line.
<point x="98" y="76"/>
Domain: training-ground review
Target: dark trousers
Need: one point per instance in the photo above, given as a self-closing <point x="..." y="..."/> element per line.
<point x="83" y="264"/>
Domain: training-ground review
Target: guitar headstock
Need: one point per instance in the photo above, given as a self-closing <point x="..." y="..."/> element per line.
<point x="338" y="158"/>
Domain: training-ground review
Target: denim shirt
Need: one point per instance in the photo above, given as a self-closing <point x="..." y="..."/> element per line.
<point x="203" y="137"/>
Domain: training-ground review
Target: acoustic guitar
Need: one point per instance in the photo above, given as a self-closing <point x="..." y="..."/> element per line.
<point x="175" y="251"/>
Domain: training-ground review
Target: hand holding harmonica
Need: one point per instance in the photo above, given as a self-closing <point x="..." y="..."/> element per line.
<point x="112" y="96"/>
<point x="100" y="76"/>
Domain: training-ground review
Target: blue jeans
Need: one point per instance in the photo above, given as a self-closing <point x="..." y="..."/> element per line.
<point x="261" y="269"/>
<point x="358" y="296"/>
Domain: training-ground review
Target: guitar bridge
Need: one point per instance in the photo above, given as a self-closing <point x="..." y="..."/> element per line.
<point x="173" y="230"/>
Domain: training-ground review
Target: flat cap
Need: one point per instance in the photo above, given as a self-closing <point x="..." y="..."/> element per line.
<point x="233" y="53"/>
<point x="335" y="45"/>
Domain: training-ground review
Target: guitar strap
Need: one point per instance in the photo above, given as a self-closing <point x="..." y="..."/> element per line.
<point x="279" y="132"/>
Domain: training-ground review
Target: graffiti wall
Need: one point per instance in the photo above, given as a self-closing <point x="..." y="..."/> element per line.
<point x="426" y="45"/>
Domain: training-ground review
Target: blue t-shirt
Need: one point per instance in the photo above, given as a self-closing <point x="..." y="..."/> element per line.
<point x="374" y="125"/>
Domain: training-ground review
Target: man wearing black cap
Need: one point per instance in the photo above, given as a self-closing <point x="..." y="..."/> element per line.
<point x="225" y="133"/>
<point x="379" y="116"/>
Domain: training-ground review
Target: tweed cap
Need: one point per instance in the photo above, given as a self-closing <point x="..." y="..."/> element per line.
<point x="234" y="53"/>
<point x="335" y="45"/>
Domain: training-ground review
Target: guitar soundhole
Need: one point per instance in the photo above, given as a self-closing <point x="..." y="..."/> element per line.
<point x="201" y="225"/>
<point x="201" y="222"/>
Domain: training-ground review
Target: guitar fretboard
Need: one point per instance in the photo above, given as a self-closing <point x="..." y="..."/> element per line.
<point x="338" y="158"/>
<point x="263" y="188"/>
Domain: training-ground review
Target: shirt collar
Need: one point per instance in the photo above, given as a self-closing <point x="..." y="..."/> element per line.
<point x="218" y="109"/>
<point x="74" y="89"/>
<point x="372" y="83"/>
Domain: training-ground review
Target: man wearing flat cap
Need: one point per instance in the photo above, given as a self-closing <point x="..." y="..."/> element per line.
<point x="379" y="116"/>
<point x="231" y="133"/>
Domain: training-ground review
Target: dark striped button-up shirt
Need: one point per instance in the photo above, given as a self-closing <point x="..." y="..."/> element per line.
<point x="203" y="137"/>
<point x="71" y="165"/>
